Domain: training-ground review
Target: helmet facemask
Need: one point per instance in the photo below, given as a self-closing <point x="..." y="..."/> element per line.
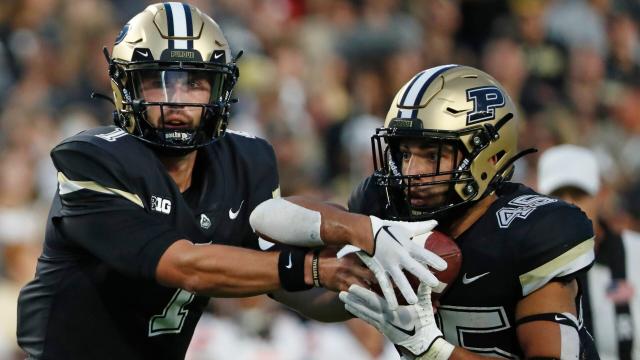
<point x="181" y="109"/>
<point x="419" y="196"/>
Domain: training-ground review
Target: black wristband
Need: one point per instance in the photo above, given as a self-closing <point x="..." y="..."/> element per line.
<point x="291" y="269"/>
<point x="315" y="268"/>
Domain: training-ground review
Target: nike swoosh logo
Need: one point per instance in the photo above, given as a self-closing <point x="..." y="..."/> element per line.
<point x="217" y="56"/>
<point x="375" y="238"/>
<point x="290" y="264"/>
<point x="234" y="214"/>
<point x="468" y="280"/>
<point x="386" y="229"/>
<point x="560" y="318"/>
<point x="408" y="332"/>
<point x="145" y="54"/>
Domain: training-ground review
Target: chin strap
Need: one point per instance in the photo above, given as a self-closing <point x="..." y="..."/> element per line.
<point x="99" y="96"/>
<point x="500" y="176"/>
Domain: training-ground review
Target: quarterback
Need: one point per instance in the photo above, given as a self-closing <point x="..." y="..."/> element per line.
<point x="446" y="152"/>
<point x="151" y="216"/>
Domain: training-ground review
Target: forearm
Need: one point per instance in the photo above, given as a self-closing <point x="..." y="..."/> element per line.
<point x="339" y="227"/>
<point x="310" y="223"/>
<point x="218" y="270"/>
<point x="317" y="304"/>
<point x="370" y="339"/>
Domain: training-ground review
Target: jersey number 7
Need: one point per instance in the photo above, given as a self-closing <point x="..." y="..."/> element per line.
<point x="172" y="318"/>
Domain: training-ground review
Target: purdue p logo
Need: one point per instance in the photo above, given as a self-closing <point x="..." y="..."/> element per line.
<point x="485" y="100"/>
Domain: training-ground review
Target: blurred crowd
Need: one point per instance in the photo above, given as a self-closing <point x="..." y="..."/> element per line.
<point x="316" y="79"/>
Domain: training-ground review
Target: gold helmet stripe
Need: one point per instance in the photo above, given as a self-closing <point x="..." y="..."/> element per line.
<point x="180" y="25"/>
<point x="408" y="107"/>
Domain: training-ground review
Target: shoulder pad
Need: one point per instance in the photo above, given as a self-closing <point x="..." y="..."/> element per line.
<point x="367" y="199"/>
<point x="558" y="242"/>
<point x="103" y="160"/>
<point x="256" y="152"/>
<point x="108" y="134"/>
<point x="240" y="133"/>
<point x="255" y="160"/>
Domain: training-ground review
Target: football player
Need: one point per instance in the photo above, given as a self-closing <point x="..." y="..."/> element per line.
<point x="151" y="216"/>
<point x="446" y="152"/>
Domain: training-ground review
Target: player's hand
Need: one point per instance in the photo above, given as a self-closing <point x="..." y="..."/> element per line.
<point x="412" y="327"/>
<point x="337" y="274"/>
<point x="394" y="251"/>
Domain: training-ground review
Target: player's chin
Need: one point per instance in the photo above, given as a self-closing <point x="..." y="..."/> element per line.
<point x="177" y="126"/>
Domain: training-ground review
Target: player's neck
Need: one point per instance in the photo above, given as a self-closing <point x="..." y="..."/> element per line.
<point x="180" y="168"/>
<point x="463" y="223"/>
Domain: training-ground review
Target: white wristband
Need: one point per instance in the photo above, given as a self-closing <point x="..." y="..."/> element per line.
<point x="439" y="350"/>
<point x="287" y="223"/>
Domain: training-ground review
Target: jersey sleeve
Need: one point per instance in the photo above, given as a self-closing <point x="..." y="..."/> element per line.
<point x="558" y="245"/>
<point x="102" y="212"/>
<point x="88" y="177"/>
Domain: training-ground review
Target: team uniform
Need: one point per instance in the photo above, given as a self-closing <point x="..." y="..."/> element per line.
<point x="115" y="213"/>
<point x="522" y="242"/>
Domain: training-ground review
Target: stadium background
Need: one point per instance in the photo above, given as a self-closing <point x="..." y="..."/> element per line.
<point x="316" y="79"/>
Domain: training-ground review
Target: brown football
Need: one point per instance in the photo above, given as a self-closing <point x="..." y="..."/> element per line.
<point x="445" y="247"/>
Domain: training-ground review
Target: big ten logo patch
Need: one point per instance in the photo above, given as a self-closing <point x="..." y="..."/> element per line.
<point x="160" y="205"/>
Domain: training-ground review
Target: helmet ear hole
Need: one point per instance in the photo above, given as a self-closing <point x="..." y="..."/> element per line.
<point x="483" y="176"/>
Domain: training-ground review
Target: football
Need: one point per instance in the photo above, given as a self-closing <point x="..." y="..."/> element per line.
<point x="443" y="246"/>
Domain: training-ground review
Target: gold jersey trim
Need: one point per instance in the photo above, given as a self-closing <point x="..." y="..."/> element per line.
<point x="569" y="262"/>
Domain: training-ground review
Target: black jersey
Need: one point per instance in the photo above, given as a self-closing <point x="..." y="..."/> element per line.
<point x="116" y="211"/>
<point x="522" y="242"/>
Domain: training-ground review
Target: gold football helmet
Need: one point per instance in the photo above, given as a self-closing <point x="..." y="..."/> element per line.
<point x="459" y="107"/>
<point x="172" y="76"/>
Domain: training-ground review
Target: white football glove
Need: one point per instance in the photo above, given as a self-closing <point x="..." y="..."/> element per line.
<point x="412" y="327"/>
<point x="394" y="251"/>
